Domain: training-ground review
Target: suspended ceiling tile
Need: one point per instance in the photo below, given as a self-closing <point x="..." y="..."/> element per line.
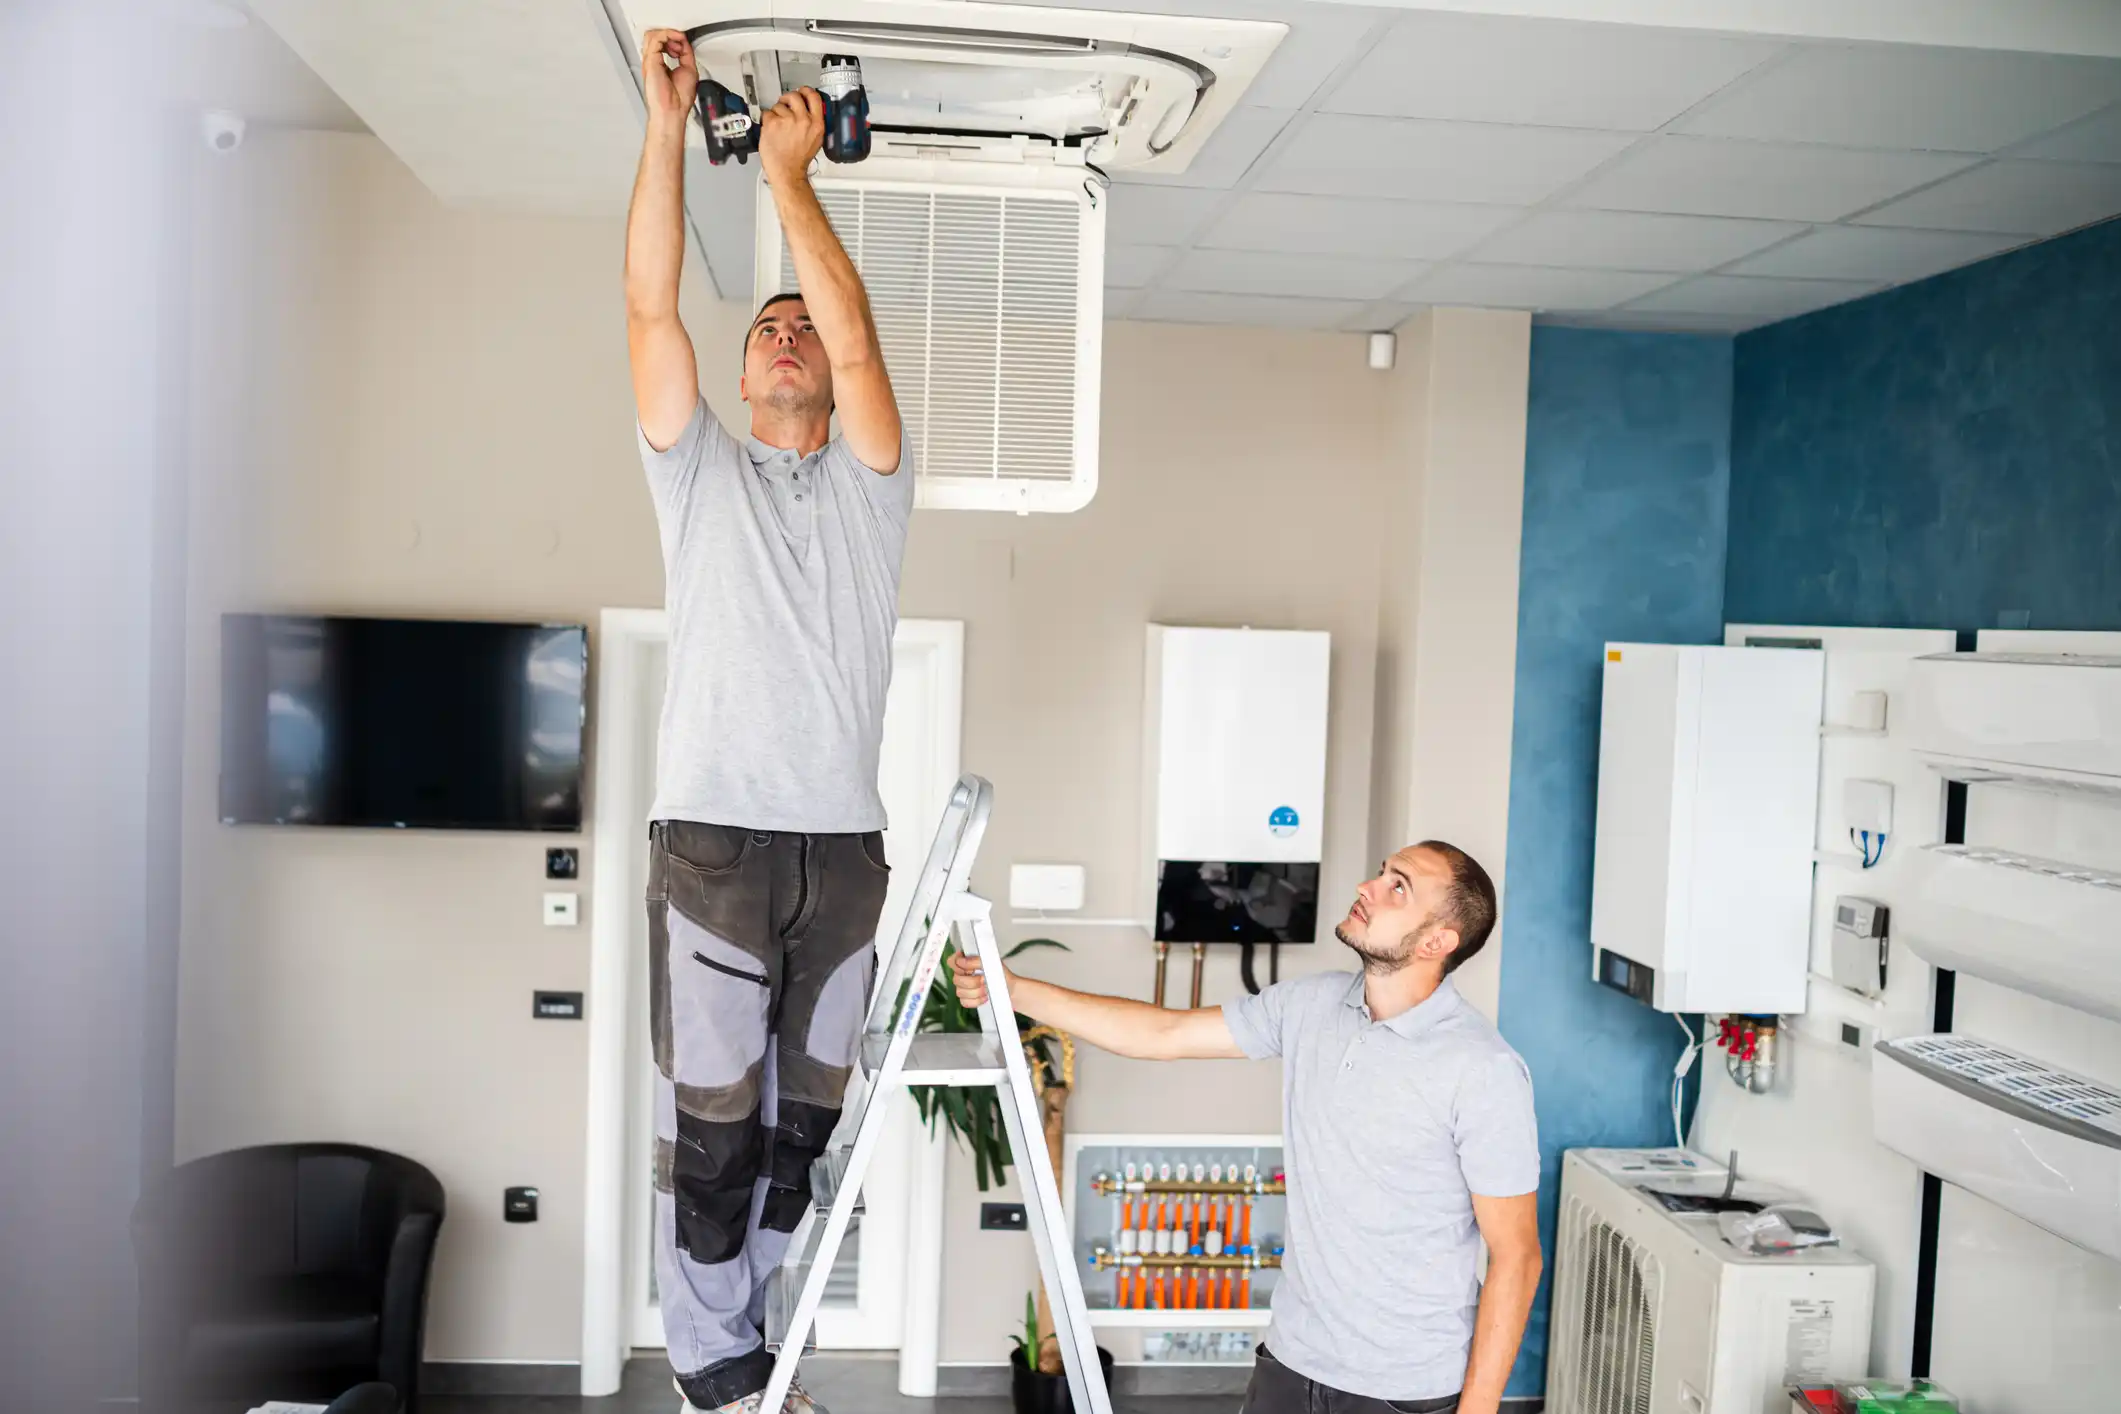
<point x="1617" y="240"/>
<point x="1132" y="266"/>
<point x="1119" y="304"/>
<point x="1321" y="38"/>
<point x="1381" y="317"/>
<point x="1157" y="215"/>
<point x="1262" y="272"/>
<point x="1231" y="150"/>
<point x="1873" y="253"/>
<point x="1330" y="225"/>
<point x="1772" y="181"/>
<point x="1751" y="297"/>
<point x="1894" y="96"/>
<point x="2025" y="198"/>
<point x="1531" y="287"/>
<point x="1416" y="159"/>
<point x="1494" y="69"/>
<point x="2096" y="139"/>
<point x="1269" y="311"/>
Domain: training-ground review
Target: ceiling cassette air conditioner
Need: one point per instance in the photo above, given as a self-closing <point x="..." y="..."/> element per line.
<point x="978" y="219"/>
<point x="958" y="78"/>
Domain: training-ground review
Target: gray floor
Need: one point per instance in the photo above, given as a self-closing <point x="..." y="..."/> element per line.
<point x="845" y="1385"/>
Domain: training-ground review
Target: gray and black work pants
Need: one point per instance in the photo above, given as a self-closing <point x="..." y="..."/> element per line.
<point x="1277" y="1389"/>
<point x="761" y="955"/>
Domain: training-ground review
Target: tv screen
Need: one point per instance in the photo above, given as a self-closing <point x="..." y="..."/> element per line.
<point x="401" y="723"/>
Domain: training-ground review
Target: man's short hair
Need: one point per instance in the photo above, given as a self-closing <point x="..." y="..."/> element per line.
<point x="782" y="298"/>
<point x="1468" y="906"/>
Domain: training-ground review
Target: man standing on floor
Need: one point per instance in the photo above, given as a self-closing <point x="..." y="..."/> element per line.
<point x="1408" y="1139"/>
<point x="766" y="875"/>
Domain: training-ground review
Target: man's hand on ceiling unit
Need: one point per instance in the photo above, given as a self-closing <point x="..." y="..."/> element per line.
<point x="790" y="135"/>
<point x="669" y="90"/>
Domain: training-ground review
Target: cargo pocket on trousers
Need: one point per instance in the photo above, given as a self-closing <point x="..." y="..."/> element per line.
<point x="721" y="999"/>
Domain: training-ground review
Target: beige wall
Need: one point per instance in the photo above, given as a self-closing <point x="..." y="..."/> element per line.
<point x="424" y="411"/>
<point x="1447" y="610"/>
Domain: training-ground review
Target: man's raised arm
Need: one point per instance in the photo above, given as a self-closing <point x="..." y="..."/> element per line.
<point x="791" y="133"/>
<point x="666" y="376"/>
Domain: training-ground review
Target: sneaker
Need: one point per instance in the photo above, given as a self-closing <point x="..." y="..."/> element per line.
<point x="749" y="1404"/>
<point x="800" y="1400"/>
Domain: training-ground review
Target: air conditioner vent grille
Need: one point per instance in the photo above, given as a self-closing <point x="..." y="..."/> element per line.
<point x="2023" y="1079"/>
<point x="1610" y="1330"/>
<point x="976" y="300"/>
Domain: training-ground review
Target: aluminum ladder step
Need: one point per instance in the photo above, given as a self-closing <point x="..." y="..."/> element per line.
<point x="942" y="1058"/>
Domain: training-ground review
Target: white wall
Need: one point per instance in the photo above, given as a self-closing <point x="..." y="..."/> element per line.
<point x="2023" y="1322"/>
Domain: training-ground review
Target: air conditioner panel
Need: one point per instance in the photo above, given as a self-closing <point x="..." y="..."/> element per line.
<point x="2035" y="718"/>
<point x="989" y="302"/>
<point x="2034" y="925"/>
<point x="1164" y="82"/>
<point x="2037" y="1141"/>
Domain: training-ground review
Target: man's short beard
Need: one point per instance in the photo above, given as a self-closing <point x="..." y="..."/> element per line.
<point x="791" y="401"/>
<point x="1377" y="963"/>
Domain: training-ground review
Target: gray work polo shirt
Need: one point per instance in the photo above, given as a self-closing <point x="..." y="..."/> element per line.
<point x="781" y="578"/>
<point x="1388" y="1129"/>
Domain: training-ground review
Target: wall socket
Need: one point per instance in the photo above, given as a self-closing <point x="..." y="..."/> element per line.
<point x="1002" y="1217"/>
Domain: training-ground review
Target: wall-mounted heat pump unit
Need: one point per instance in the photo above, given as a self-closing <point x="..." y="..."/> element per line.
<point x="1708" y="788"/>
<point x="1234" y="754"/>
<point x="1655" y="1313"/>
<point x="2039" y="1141"/>
<point x="2051" y="719"/>
<point x="2034" y="925"/>
<point x="978" y="220"/>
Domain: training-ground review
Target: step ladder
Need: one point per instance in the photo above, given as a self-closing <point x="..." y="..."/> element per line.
<point x="894" y="1055"/>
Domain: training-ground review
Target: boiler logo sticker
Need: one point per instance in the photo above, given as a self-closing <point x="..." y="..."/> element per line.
<point x="1282" y="823"/>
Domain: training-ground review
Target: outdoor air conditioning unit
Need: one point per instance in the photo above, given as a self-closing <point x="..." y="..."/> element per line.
<point x="978" y="220"/>
<point x="1656" y="1313"/>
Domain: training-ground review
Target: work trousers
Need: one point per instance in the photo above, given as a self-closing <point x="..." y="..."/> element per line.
<point x="1277" y="1389"/>
<point x="761" y="956"/>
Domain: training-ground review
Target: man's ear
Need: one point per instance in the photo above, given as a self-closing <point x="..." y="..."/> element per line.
<point x="742" y="395"/>
<point x="1440" y="944"/>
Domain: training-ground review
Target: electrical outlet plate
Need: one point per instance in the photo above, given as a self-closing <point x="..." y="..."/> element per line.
<point x="562" y="910"/>
<point x="1056" y="888"/>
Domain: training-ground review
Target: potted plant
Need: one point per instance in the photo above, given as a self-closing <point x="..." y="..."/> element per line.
<point x="1033" y="1390"/>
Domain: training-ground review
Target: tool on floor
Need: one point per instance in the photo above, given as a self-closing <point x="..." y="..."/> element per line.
<point x="894" y="1055"/>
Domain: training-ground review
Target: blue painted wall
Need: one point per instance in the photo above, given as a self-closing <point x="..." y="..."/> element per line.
<point x="1627" y="478"/>
<point x="1940" y="454"/>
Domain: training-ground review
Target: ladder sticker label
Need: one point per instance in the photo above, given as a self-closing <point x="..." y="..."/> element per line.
<point x="1283" y="822"/>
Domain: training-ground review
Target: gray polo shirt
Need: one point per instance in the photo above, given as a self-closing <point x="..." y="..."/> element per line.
<point x="781" y="578"/>
<point x="1388" y="1129"/>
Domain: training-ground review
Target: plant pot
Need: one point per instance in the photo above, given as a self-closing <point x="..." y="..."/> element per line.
<point x="1034" y="1393"/>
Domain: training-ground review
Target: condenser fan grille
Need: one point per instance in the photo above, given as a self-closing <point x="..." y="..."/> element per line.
<point x="1610" y="1331"/>
<point x="976" y="304"/>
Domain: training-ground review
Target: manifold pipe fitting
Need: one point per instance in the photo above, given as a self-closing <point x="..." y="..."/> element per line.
<point x="1105" y="1186"/>
<point x="1200" y="966"/>
<point x="1163" y="959"/>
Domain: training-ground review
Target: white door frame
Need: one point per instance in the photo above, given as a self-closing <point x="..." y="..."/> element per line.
<point x="628" y="640"/>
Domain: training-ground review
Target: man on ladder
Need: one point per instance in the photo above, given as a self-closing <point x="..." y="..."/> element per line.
<point x="766" y="873"/>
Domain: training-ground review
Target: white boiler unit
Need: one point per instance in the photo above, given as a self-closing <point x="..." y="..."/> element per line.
<point x="1234" y="754"/>
<point x="1708" y="793"/>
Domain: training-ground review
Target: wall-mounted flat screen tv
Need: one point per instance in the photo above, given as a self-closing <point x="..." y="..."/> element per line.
<point x="401" y="723"/>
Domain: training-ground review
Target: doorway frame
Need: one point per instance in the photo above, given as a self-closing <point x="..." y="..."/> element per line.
<point x="620" y="749"/>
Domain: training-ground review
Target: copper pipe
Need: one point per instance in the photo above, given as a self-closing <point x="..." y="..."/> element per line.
<point x="1163" y="957"/>
<point x="1200" y="965"/>
<point x="1104" y="1260"/>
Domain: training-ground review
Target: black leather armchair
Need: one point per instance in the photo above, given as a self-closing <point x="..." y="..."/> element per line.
<point x="288" y="1271"/>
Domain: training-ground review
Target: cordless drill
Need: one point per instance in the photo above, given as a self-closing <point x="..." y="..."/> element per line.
<point x="733" y="132"/>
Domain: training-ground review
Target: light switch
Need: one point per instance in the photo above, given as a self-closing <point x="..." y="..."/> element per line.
<point x="1057" y="887"/>
<point x="562" y="910"/>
